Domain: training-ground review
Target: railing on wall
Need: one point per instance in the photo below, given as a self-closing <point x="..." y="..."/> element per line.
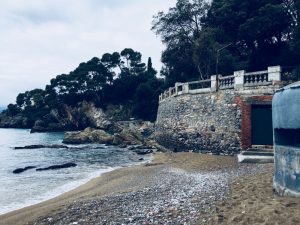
<point x="238" y="81"/>
<point x="226" y="82"/>
<point x="256" y="78"/>
<point x="199" y="84"/>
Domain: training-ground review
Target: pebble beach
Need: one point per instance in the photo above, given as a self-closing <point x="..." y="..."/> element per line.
<point x="182" y="188"/>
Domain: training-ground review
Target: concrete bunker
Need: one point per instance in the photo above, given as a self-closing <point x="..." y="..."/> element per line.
<point x="286" y="125"/>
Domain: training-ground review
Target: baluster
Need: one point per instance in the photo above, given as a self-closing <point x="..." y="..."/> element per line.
<point x="264" y="78"/>
<point x="261" y="79"/>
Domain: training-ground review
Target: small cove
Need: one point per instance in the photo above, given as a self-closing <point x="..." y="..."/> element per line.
<point x="31" y="186"/>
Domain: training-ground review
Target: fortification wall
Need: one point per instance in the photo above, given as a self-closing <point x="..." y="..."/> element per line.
<point x="215" y="122"/>
<point x="214" y="115"/>
<point x="208" y="122"/>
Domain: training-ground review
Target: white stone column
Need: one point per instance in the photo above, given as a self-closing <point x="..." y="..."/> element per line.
<point x="176" y="87"/>
<point x="214" y="83"/>
<point x="239" y="79"/>
<point x="274" y="73"/>
<point x="185" y="88"/>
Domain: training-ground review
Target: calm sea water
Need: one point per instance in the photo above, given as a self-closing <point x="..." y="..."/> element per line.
<point x="31" y="187"/>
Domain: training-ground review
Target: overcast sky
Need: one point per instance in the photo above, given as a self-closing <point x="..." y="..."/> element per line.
<point x="40" y="39"/>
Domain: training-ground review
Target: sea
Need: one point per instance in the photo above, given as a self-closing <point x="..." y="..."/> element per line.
<point x="31" y="187"/>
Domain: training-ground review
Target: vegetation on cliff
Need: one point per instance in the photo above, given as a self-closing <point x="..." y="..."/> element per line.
<point x="120" y="79"/>
<point x="204" y="39"/>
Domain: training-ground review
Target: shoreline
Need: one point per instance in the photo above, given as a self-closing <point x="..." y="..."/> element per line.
<point x="168" y="174"/>
<point x="60" y="190"/>
<point x="68" y="187"/>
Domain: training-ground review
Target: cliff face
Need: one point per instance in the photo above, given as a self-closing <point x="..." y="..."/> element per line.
<point x="60" y="119"/>
<point x="17" y="121"/>
<point x="72" y="118"/>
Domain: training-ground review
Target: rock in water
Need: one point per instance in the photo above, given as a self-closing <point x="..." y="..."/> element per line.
<point x="21" y="170"/>
<point x="40" y="146"/>
<point x="56" y="167"/>
<point x="89" y="135"/>
<point x="143" y="151"/>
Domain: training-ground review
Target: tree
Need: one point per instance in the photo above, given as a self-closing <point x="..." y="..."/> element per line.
<point x="20" y="100"/>
<point x="295" y="44"/>
<point x="133" y="61"/>
<point x="146" y="99"/>
<point x="179" y="29"/>
<point x="182" y="22"/>
<point x="259" y="29"/>
<point x="112" y="80"/>
<point x="12" y="110"/>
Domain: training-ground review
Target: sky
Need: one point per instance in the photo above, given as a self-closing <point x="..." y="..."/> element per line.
<point x="40" y="39"/>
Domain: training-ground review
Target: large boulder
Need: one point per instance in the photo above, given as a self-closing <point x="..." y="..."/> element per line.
<point x="146" y="129"/>
<point x="89" y="135"/>
<point x="128" y="137"/>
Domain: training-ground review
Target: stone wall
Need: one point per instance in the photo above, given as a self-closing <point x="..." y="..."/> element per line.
<point x="217" y="122"/>
<point x="202" y="123"/>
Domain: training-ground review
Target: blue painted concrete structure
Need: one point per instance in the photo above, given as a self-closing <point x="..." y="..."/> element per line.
<point x="286" y="125"/>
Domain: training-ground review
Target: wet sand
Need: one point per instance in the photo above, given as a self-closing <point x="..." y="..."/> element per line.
<point x="172" y="189"/>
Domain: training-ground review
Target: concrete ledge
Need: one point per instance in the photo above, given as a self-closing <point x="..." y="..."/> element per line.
<point x="255" y="159"/>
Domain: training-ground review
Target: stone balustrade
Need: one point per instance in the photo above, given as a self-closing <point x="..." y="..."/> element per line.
<point x="238" y="81"/>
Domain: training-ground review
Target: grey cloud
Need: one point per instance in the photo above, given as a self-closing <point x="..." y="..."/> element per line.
<point x="40" y="39"/>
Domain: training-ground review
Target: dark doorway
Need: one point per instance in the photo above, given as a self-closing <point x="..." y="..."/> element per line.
<point x="262" y="130"/>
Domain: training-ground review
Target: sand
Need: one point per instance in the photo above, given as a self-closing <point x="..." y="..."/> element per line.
<point x="173" y="189"/>
<point x="252" y="201"/>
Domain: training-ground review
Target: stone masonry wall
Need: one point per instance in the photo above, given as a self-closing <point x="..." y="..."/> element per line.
<point x="202" y="123"/>
<point x="216" y="122"/>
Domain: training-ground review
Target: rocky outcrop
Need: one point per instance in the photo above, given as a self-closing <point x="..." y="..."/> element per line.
<point x="74" y="118"/>
<point x="17" y="121"/>
<point x="89" y="135"/>
<point x="83" y="115"/>
<point x="135" y="133"/>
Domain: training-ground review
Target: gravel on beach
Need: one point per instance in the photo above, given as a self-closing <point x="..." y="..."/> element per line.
<point x="181" y="188"/>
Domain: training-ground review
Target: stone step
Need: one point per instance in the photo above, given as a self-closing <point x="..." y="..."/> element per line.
<point x="255" y="159"/>
<point x="258" y="153"/>
<point x="260" y="150"/>
<point x="262" y="146"/>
